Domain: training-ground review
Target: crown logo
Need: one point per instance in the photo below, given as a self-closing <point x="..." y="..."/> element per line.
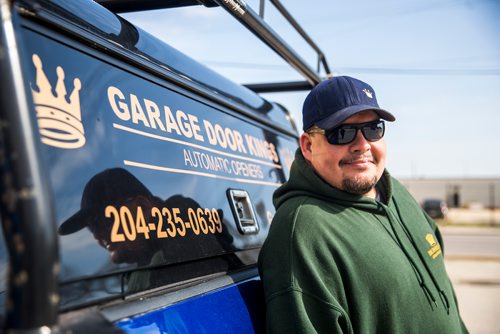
<point x="59" y="121"/>
<point x="368" y="93"/>
<point x="430" y="239"/>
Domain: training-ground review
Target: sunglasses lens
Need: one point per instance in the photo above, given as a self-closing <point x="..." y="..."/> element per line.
<point x="345" y="134"/>
<point x="373" y="131"/>
<point x="341" y="135"/>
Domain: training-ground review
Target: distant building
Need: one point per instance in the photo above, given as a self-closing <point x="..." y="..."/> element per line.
<point x="457" y="192"/>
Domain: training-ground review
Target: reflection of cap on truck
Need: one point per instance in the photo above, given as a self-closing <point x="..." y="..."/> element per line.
<point x="110" y="187"/>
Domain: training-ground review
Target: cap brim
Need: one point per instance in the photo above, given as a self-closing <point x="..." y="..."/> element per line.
<point x="74" y="223"/>
<point x="340" y="116"/>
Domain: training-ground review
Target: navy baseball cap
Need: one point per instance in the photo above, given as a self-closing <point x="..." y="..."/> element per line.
<point x="334" y="100"/>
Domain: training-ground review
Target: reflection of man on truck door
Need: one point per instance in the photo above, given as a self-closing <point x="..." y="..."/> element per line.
<point x="116" y="188"/>
<point x="138" y="228"/>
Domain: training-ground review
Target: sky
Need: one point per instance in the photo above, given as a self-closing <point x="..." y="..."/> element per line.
<point x="434" y="64"/>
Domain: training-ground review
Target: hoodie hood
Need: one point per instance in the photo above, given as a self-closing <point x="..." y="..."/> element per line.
<point x="304" y="181"/>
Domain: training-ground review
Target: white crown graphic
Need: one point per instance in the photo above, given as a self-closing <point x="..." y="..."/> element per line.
<point x="368" y="93"/>
<point x="59" y="122"/>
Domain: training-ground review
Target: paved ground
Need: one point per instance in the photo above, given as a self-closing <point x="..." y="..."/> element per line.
<point x="476" y="277"/>
<point x="477" y="285"/>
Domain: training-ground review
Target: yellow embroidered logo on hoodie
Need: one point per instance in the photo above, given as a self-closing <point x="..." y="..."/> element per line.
<point x="435" y="248"/>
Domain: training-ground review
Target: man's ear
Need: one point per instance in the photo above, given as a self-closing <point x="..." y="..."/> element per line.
<point x="306" y="146"/>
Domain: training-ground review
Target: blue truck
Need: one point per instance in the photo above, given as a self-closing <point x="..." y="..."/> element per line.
<point x="136" y="183"/>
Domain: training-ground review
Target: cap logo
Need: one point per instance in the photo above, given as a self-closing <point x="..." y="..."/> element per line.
<point x="368" y="93"/>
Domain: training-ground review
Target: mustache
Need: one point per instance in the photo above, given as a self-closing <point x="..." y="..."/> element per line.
<point x="356" y="157"/>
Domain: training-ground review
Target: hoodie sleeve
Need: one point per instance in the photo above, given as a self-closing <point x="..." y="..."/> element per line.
<point x="298" y="295"/>
<point x="295" y="311"/>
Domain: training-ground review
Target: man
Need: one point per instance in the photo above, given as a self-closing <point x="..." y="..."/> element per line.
<point x="349" y="249"/>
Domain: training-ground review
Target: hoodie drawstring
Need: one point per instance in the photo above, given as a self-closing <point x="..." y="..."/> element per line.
<point x="420" y="277"/>
<point x="442" y="294"/>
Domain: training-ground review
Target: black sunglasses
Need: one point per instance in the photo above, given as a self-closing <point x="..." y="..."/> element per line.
<point x="345" y="134"/>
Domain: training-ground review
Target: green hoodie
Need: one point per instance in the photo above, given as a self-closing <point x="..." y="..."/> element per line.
<point x="335" y="262"/>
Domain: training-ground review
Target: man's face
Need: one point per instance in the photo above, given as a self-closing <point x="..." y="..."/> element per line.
<point x="355" y="167"/>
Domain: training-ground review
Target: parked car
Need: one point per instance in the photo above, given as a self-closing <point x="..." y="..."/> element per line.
<point x="436" y="208"/>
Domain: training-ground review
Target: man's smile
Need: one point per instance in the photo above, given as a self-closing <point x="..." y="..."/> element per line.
<point x="361" y="162"/>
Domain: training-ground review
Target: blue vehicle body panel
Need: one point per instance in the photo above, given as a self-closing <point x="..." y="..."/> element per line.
<point x="235" y="309"/>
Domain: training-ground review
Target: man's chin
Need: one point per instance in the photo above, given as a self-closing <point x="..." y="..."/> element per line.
<point x="359" y="185"/>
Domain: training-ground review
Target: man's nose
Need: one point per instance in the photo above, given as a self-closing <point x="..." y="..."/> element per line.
<point x="360" y="144"/>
